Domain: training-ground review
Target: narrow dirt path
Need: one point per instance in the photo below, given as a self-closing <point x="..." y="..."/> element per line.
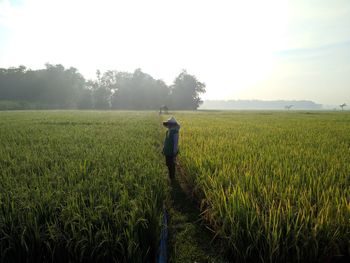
<point x="189" y="240"/>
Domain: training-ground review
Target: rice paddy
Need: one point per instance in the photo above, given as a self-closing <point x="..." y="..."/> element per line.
<point x="80" y="186"/>
<point x="274" y="186"/>
<point x="89" y="186"/>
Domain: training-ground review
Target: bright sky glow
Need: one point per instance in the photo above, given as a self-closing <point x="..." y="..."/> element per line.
<point x="252" y="49"/>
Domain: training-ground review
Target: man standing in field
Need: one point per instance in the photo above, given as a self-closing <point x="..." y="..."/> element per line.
<point x="170" y="148"/>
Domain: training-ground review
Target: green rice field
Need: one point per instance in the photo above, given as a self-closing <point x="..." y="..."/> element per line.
<point x="80" y="186"/>
<point x="275" y="186"/>
<point x="89" y="186"/>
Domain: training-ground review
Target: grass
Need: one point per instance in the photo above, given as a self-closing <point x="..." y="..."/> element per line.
<point x="80" y="186"/>
<point x="87" y="186"/>
<point x="190" y="240"/>
<point x="274" y="185"/>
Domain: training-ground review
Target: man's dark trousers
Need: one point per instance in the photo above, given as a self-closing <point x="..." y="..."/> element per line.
<point x="170" y="162"/>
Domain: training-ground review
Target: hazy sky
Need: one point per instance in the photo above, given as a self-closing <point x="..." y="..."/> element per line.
<point x="271" y="49"/>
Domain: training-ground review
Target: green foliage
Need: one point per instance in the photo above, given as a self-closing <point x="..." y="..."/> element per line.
<point x="52" y="87"/>
<point x="189" y="240"/>
<point x="58" y="88"/>
<point x="80" y="186"/>
<point x="139" y="91"/>
<point x="275" y="186"/>
<point x="185" y="92"/>
<point x="13" y="105"/>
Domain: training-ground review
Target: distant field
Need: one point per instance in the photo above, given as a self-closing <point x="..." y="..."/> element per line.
<point x="89" y="186"/>
<point x="80" y="186"/>
<point x="274" y="186"/>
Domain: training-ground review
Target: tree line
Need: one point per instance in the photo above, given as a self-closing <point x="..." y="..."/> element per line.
<point x="56" y="87"/>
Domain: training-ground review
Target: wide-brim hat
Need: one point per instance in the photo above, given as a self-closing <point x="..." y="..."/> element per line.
<point x="170" y="121"/>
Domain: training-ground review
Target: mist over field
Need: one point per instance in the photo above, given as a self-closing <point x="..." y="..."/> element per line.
<point x="261" y="105"/>
<point x="242" y="50"/>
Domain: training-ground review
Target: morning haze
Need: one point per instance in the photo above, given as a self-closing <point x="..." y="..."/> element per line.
<point x="264" y="50"/>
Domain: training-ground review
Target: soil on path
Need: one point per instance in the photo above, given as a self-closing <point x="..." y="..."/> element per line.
<point x="189" y="239"/>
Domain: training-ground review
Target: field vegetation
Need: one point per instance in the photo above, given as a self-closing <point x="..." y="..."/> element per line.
<point x="80" y="186"/>
<point x="86" y="186"/>
<point x="275" y="187"/>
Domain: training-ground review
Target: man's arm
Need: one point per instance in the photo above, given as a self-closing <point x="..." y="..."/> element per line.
<point x="176" y="142"/>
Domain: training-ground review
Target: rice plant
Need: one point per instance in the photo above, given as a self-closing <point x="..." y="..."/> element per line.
<point x="80" y="186"/>
<point x="274" y="186"/>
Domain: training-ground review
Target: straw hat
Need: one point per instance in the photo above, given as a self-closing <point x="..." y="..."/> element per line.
<point x="170" y="121"/>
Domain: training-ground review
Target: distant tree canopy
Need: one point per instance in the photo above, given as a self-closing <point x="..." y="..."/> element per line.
<point x="55" y="87"/>
<point x="185" y="92"/>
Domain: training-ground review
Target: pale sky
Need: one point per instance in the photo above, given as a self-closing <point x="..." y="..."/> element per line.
<point x="251" y="49"/>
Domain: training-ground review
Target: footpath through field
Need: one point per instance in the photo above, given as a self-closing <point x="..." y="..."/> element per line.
<point x="189" y="239"/>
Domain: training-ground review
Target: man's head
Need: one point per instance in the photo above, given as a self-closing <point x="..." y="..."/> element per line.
<point x="170" y="123"/>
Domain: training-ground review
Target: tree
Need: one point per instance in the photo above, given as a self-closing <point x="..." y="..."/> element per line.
<point x="52" y="87"/>
<point x="101" y="93"/>
<point x="185" y="92"/>
<point x="57" y="87"/>
<point x="342" y="106"/>
<point x="85" y="100"/>
<point x="139" y="91"/>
